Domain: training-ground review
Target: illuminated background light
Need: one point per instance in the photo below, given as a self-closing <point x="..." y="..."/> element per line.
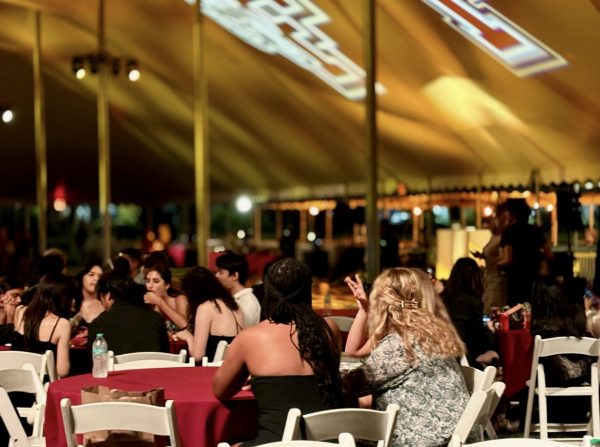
<point x="313" y="211"/>
<point x="488" y="211"/>
<point x="241" y="234"/>
<point x="417" y="211"/>
<point x="243" y="204"/>
<point x="549" y="207"/>
<point x="311" y="236"/>
<point x="7" y="116"/>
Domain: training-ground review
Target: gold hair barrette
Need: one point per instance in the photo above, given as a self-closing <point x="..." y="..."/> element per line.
<point x="409" y="305"/>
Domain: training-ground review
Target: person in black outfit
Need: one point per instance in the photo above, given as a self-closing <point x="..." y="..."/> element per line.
<point x="128" y="325"/>
<point x="462" y="297"/>
<point x="524" y="246"/>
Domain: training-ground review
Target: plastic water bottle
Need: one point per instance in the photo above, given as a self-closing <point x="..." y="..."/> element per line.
<point x="100" y="356"/>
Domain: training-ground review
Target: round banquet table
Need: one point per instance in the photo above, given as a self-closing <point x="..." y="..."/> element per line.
<point x="203" y="420"/>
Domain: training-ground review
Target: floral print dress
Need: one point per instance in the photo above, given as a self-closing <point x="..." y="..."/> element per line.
<point x="431" y="393"/>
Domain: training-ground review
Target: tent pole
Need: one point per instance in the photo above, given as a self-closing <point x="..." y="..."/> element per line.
<point x="478" y="220"/>
<point x="201" y="157"/>
<point x="373" y="230"/>
<point x="104" y="188"/>
<point x="40" y="138"/>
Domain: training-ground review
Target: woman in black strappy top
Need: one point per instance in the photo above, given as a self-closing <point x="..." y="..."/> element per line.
<point x="213" y="314"/>
<point x="292" y="356"/>
<point x="43" y="324"/>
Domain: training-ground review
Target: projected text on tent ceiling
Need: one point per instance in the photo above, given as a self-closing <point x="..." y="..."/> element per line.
<point x="261" y="23"/>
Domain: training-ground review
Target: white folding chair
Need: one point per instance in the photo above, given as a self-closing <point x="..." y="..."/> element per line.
<point x="508" y="442"/>
<point x="475" y="379"/>
<point x="143" y="360"/>
<point x="42" y="363"/>
<point x="18" y="437"/>
<point x="364" y="424"/>
<point x="480" y="407"/>
<point x="119" y="416"/>
<point x="345" y="440"/>
<point x="537" y="386"/>
<point x="219" y="355"/>
<point x="26" y="380"/>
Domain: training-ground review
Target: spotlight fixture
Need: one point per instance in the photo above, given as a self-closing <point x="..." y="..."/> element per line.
<point x="78" y="67"/>
<point x="92" y="62"/>
<point x="6" y="114"/>
<point x="133" y="71"/>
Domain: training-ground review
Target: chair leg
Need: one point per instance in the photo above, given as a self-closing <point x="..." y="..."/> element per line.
<point x="529" y="410"/>
<point x="489" y="429"/>
<point x="543" y="412"/>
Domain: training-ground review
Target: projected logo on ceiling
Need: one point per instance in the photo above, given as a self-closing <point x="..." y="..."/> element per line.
<point x="261" y="23"/>
<point x="512" y="46"/>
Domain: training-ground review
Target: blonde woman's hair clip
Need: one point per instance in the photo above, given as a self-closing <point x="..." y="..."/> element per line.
<point x="409" y="305"/>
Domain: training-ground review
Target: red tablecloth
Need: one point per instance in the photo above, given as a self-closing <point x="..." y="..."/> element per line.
<point x="516" y="352"/>
<point x="203" y="421"/>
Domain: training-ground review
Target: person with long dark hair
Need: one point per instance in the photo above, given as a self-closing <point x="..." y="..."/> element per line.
<point x="165" y="298"/>
<point x="87" y="306"/>
<point x="213" y="314"/>
<point x="43" y="325"/>
<point x="292" y="356"/>
<point x="463" y="297"/>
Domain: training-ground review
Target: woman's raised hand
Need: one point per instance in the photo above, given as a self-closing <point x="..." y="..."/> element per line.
<point x="358" y="290"/>
<point x="152" y="298"/>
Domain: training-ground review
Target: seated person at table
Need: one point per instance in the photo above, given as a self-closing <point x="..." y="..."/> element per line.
<point x="43" y="324"/>
<point x="128" y="325"/>
<point x="166" y="299"/>
<point x="462" y="296"/>
<point x="232" y="274"/>
<point x="11" y="289"/>
<point x="413" y="359"/>
<point x="213" y="314"/>
<point x="292" y="356"/>
<point x="87" y="305"/>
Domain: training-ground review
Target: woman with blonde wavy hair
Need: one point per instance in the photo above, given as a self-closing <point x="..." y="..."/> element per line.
<point x="413" y="350"/>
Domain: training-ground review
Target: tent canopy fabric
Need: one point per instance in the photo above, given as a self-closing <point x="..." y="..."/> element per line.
<point x="449" y="114"/>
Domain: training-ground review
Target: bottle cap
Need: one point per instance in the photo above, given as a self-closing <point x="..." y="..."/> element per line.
<point x="99" y="334"/>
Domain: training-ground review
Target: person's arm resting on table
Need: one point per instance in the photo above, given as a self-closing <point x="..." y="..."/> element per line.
<point x="232" y="374"/>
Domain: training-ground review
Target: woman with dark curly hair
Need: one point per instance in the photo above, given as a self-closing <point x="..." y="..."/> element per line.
<point x="292" y="356"/>
<point x="213" y="314"/>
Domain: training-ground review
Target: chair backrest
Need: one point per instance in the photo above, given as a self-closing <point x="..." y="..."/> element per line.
<point x="508" y="442"/>
<point x="42" y="363"/>
<point x="479" y="409"/>
<point x="219" y="355"/>
<point x="142" y="360"/>
<point x="476" y="379"/>
<point x="544" y="347"/>
<point x="26" y="380"/>
<point x="345" y="440"/>
<point x="370" y="425"/>
<point x="119" y="416"/>
<point x="11" y="421"/>
<point x="344" y="323"/>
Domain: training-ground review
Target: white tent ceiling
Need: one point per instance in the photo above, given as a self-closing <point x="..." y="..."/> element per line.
<point x="451" y="115"/>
